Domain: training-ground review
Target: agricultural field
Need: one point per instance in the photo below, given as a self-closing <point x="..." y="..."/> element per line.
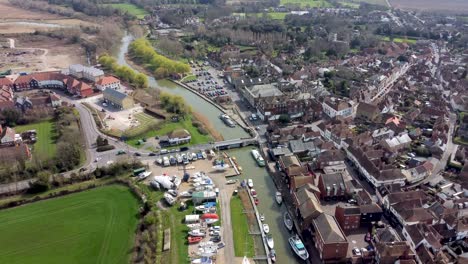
<point x="401" y="40"/>
<point x="45" y="146"/>
<point x="131" y="9"/>
<point x="94" y="226"/>
<point x="373" y="2"/>
<point x="305" y="3"/>
<point x="243" y="242"/>
<point x="451" y="6"/>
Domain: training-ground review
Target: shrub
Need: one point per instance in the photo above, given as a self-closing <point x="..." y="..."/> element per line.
<point x="105" y="148"/>
<point x="202" y="130"/>
<point x="196" y="124"/>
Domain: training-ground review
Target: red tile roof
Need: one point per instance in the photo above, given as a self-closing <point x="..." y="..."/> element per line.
<point x="107" y="80"/>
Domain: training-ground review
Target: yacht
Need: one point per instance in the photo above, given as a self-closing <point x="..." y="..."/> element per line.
<point x="288" y="222"/>
<point x="279" y="198"/>
<point x="258" y="158"/>
<point x="266" y="228"/>
<point x="296" y="244"/>
<point x="250" y="183"/>
<point x="269" y="241"/>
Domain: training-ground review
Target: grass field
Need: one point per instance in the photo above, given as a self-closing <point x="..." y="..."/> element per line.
<point x="305" y="3"/>
<point x="243" y="242"/>
<point x="401" y="40"/>
<point x="170" y="126"/>
<point x="131" y="9"/>
<point x="350" y="4"/>
<point x="274" y="15"/>
<point x="45" y="147"/>
<point x="95" y="226"/>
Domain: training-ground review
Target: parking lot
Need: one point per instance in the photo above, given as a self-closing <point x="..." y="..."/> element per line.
<point x="209" y="81"/>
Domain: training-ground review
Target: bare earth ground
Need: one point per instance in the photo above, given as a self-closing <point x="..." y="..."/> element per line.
<point x="8" y="11"/>
<point x="456" y="6"/>
<point x="40" y="53"/>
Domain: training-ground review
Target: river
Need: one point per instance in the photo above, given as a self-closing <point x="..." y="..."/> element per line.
<point x="264" y="185"/>
<point x="198" y="104"/>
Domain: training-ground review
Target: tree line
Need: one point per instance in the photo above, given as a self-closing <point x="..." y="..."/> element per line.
<point x="161" y="66"/>
<point x="125" y="73"/>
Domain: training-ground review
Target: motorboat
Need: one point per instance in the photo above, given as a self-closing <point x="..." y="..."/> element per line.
<point x="187" y="194"/>
<point x="212" y="153"/>
<point x="245" y="260"/>
<point x="179" y="159"/>
<point x="173" y="193"/>
<point x="266" y="228"/>
<point x="262" y="217"/>
<point x="165" y="161"/>
<point x="205" y="206"/>
<point x="221" y="167"/>
<point x="159" y="161"/>
<point x="250" y="183"/>
<point x="143" y="175"/>
<point x="208" y="250"/>
<point x="227" y="120"/>
<point x="195" y="226"/>
<point x="253" y="193"/>
<point x="279" y="198"/>
<point x="231" y="181"/>
<point x="272" y="255"/>
<point x="269" y="241"/>
<point x="256" y="201"/>
<point x="197" y="233"/>
<point x="258" y="158"/>
<point x="288" y="222"/>
<point x="210" y="221"/>
<point x="193" y="240"/>
<point x="298" y="246"/>
<point x="194" y="156"/>
<point x="204" y="155"/>
<point x="169" y="198"/>
<point x="206" y="244"/>
<point x="203" y="260"/>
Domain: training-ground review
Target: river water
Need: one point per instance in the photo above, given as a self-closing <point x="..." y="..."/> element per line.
<point x="264" y="185"/>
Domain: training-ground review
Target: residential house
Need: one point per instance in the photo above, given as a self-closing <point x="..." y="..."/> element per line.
<point x="332" y="186"/>
<point x="386" y="235"/>
<point x="117" y="99"/>
<point x="329" y="239"/>
<point x="176" y="137"/>
<point x="330" y="159"/>
<point x="262" y="91"/>
<point x="6" y="97"/>
<point x="408" y="207"/>
<point x="418" y="173"/>
<point x="334" y="107"/>
<point x="8" y="136"/>
<point x="307" y="205"/>
<point x="89" y="73"/>
<point x="291" y="166"/>
<point x="349" y="217"/>
<point x="394" y="252"/>
<point x="397" y="143"/>
<point x="367" y="111"/>
<point x="420" y="233"/>
<point x="381" y="134"/>
<point x="14" y="153"/>
<point x="301" y="148"/>
<point x="108" y="82"/>
<point x="23" y="103"/>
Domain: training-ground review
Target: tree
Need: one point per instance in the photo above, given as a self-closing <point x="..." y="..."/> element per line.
<point x="11" y="116"/>
<point x="283" y="119"/>
<point x="42" y="183"/>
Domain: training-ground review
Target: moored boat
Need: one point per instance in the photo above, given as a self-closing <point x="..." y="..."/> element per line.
<point x="298" y="246"/>
<point x="197" y="233"/>
<point x="269" y="241"/>
<point x="253" y="193"/>
<point x="169" y="198"/>
<point x="250" y="183"/>
<point x="288" y="222"/>
<point x="279" y="198"/>
<point x="221" y="167"/>
<point x="262" y="217"/>
<point x="257" y="201"/>
<point x="193" y="240"/>
<point x="272" y="255"/>
<point x="258" y="158"/>
<point x="231" y="181"/>
<point x="266" y="228"/>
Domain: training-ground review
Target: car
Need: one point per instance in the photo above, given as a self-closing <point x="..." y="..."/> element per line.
<point x="163" y="151"/>
<point x="97" y="159"/>
<point x="137" y="154"/>
<point x="216" y="239"/>
<point x="357" y="251"/>
<point x="121" y="152"/>
<point x="152" y="154"/>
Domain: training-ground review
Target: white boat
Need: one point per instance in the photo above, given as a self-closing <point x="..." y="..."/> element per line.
<point x="266" y="228"/>
<point x="262" y="217"/>
<point x="253" y="193"/>
<point x="204" y="154"/>
<point x="195" y="226"/>
<point x="203" y="260"/>
<point x="211" y="221"/>
<point x="250" y="183"/>
<point x="179" y="159"/>
<point x="221" y="167"/>
<point x="279" y="198"/>
<point x="144" y="175"/>
<point x="296" y="244"/>
<point x="169" y="198"/>
<point x="288" y="222"/>
<point x="185" y="194"/>
<point x="212" y="153"/>
<point x="173" y="193"/>
<point x="258" y="158"/>
<point x="269" y="241"/>
<point x="245" y="261"/>
<point x="159" y="161"/>
<point x="231" y="181"/>
<point x="197" y="233"/>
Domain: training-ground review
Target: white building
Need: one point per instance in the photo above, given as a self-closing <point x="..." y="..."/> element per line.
<point x="108" y="82"/>
<point x="334" y="107"/>
<point x="88" y="73"/>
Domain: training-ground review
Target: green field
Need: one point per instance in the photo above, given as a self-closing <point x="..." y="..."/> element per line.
<point x="170" y="126"/>
<point x="45" y="146"/>
<point x="350" y="4"/>
<point x="401" y="40"/>
<point x="146" y="122"/>
<point x="305" y="3"/>
<point x="373" y="2"/>
<point x="95" y="226"/>
<point x="274" y="15"/>
<point x="243" y="241"/>
<point x="131" y="9"/>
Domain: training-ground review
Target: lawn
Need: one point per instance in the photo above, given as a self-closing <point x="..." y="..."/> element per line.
<point x="243" y="241"/>
<point x="95" y="226"/>
<point x="45" y="146"/>
<point x="131" y="9"/>
<point x="274" y="15"/>
<point x="401" y="40"/>
<point x="350" y="4"/>
<point x="305" y="3"/>
<point x="170" y="126"/>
